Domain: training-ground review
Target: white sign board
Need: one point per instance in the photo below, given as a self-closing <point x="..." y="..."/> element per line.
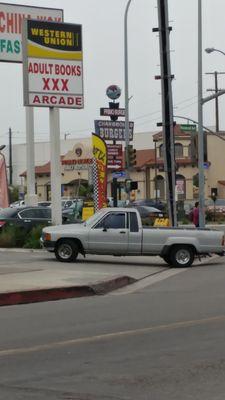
<point x="52" y="64"/>
<point x="11" y="20"/>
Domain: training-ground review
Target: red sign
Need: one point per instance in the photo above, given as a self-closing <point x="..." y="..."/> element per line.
<point x="115" y="155"/>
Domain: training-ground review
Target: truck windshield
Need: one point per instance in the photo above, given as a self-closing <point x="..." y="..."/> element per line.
<point x="94" y="218"/>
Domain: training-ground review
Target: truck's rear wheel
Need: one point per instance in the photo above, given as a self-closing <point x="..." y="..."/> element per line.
<point x="181" y="256"/>
<point x="167" y="259"/>
<point x="66" y="250"/>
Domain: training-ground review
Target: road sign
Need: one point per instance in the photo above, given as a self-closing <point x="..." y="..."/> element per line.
<point x="52" y="64"/>
<point x="11" y="17"/>
<point x="188" y="127"/>
<point x="109" y="112"/>
<point x="113" y="130"/>
<point x="119" y="174"/>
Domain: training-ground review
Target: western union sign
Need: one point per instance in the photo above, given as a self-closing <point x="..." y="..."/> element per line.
<point x="52" y="64"/>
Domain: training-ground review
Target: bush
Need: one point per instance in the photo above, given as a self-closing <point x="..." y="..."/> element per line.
<point x="14" y="236"/>
<point x="33" y="239"/>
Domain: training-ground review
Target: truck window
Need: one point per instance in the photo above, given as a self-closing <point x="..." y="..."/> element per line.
<point x="112" y="221"/>
<point x="133" y="222"/>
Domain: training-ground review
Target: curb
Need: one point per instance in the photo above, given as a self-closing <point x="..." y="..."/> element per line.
<point x="61" y="293"/>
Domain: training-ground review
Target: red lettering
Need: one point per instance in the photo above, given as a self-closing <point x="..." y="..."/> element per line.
<point x="62" y="100"/>
<point x="10" y="23"/>
<point x="64" y="85"/>
<point x="45" y="99"/>
<point x="46" y="84"/>
<point x="53" y="100"/>
<point x="2" y="19"/>
<point x="70" y="101"/>
<point x="55" y="84"/>
<point x="78" y="70"/>
<point x="36" y="100"/>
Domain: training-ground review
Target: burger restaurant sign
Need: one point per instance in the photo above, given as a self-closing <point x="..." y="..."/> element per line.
<point x="52" y="64"/>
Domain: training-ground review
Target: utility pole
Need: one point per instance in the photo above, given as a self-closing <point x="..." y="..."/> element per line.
<point x="215" y="73"/>
<point x="10" y="156"/>
<point x="167" y="107"/>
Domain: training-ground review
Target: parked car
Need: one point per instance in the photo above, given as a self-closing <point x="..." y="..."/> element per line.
<point x="25" y="217"/>
<point x="18" y="203"/>
<point x="219" y="206"/>
<point x="67" y="203"/>
<point x="148" y="212"/>
<point x="150" y="203"/>
<point x="73" y="213"/>
<point x="44" y="203"/>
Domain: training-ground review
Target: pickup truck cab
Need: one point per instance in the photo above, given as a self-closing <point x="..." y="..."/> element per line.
<point x="119" y="232"/>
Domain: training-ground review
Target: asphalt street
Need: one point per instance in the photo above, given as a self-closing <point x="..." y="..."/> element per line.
<point x="161" y="340"/>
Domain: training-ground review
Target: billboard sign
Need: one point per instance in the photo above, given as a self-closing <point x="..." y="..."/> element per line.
<point x="11" y="20"/>
<point x="52" y="64"/>
<point x="112" y="112"/>
<point x="113" y="130"/>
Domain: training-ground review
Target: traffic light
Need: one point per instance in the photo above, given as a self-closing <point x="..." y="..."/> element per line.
<point x="131" y="156"/>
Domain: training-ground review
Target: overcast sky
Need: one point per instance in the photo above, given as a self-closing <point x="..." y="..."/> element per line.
<point x="103" y="28"/>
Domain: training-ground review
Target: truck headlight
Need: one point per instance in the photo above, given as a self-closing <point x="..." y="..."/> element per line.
<point x="47" y="237"/>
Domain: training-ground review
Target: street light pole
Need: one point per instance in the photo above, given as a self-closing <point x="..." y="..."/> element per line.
<point x="200" y="124"/>
<point x="126" y="92"/>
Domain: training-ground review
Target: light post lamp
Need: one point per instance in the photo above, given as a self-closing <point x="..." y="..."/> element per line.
<point x="212" y="49"/>
<point x="126" y="91"/>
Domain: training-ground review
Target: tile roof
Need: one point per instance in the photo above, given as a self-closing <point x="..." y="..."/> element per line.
<point x="177" y="132"/>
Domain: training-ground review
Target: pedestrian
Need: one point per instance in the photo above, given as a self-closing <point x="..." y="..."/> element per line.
<point x="196" y="214"/>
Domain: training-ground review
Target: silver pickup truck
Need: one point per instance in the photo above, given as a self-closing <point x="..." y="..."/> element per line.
<point x="119" y="232"/>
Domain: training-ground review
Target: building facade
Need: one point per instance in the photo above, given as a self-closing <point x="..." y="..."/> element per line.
<point x="76" y="169"/>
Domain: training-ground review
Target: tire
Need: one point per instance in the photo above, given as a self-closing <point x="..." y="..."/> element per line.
<point x="66" y="250"/>
<point x="167" y="259"/>
<point x="182" y="256"/>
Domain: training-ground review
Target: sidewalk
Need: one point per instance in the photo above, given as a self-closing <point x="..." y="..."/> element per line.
<point x="28" y="276"/>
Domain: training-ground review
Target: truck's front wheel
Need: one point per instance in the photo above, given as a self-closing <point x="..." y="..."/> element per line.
<point x="181" y="256"/>
<point x="66" y="250"/>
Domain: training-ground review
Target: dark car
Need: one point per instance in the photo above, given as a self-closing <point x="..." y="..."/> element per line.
<point x="150" y="203"/>
<point x="73" y="213"/>
<point x="25" y="217"/>
<point x="148" y="212"/>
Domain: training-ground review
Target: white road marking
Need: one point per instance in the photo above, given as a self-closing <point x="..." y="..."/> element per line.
<point x="148" y="281"/>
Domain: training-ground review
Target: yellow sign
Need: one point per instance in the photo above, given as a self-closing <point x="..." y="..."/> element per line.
<point x="87" y="212"/>
<point x="162" y="222"/>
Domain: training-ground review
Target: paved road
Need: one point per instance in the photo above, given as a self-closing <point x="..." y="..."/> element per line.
<point x="163" y="340"/>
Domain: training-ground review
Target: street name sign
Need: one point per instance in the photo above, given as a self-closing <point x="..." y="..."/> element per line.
<point x="188" y="127"/>
<point x="11" y="20"/>
<point x="119" y="174"/>
<point x="52" y="64"/>
<point x="113" y="130"/>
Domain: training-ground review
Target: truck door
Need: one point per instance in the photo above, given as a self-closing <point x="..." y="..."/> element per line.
<point x="135" y="235"/>
<point x="110" y="235"/>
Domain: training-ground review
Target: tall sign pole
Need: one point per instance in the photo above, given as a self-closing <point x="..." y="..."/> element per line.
<point x="167" y="108"/>
<point x="53" y="78"/>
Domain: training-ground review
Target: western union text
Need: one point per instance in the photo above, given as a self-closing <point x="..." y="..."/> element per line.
<point x="53" y="37"/>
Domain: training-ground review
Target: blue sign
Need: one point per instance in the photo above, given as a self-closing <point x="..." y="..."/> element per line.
<point x="119" y="174"/>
